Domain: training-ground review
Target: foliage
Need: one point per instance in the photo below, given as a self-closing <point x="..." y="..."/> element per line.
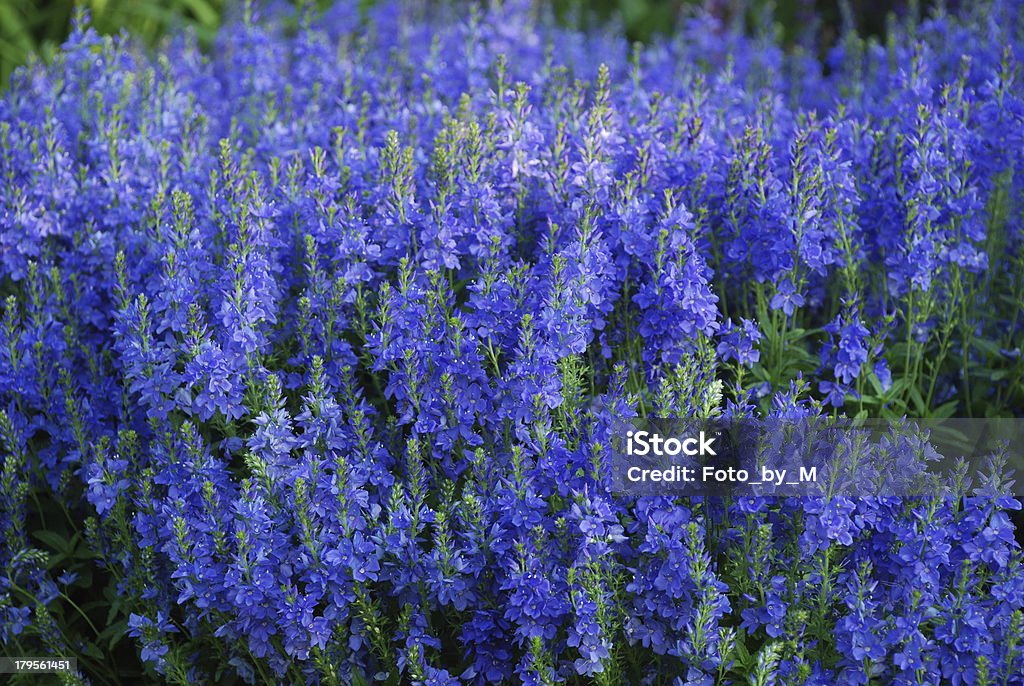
<point x="31" y="27"/>
<point x="312" y="345"/>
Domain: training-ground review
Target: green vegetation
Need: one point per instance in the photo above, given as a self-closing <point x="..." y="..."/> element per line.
<point x="31" y="27"/>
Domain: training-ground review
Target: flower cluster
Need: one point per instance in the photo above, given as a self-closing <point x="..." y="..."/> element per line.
<point x="322" y="333"/>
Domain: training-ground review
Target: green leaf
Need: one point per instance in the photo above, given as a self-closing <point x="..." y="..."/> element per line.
<point x="945" y="410"/>
<point x="54" y="541"/>
<point x="90" y="650"/>
<point x="204" y="12"/>
<point x="899" y="385"/>
<point x="876" y="384"/>
<point x="114" y="633"/>
<point x="115" y="606"/>
<point x="920" y="407"/>
<point x="991" y="347"/>
<point x="744" y="660"/>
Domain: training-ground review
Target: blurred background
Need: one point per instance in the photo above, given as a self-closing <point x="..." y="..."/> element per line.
<point x="37" y="27"/>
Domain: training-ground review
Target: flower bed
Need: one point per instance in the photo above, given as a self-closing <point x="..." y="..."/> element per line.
<point x="311" y="348"/>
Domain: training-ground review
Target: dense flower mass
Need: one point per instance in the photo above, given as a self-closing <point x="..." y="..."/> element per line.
<point x="322" y="331"/>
